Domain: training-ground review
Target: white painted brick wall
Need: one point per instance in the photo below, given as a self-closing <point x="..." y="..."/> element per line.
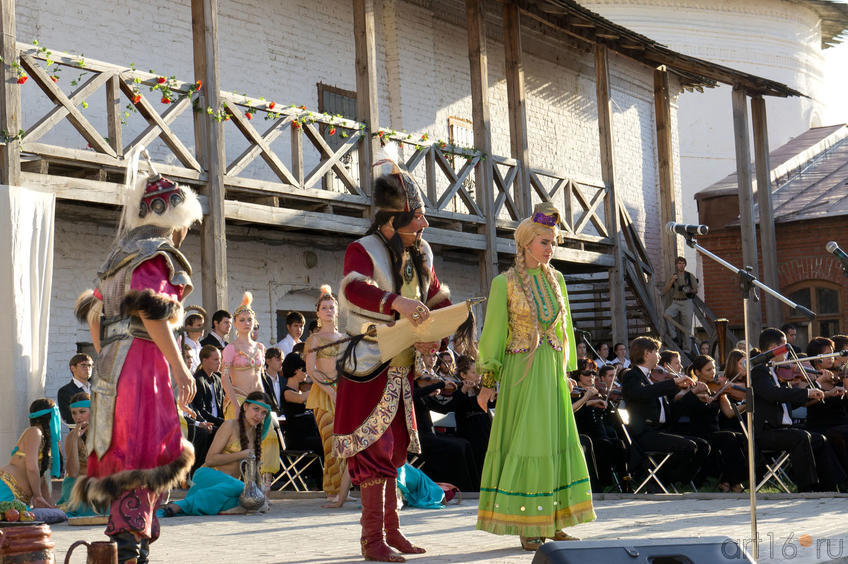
<point x="281" y="52"/>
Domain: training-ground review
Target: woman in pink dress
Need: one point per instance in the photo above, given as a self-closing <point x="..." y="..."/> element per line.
<point x="136" y="450"/>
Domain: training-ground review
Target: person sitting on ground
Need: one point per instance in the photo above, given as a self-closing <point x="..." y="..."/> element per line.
<point x="36" y="450"/>
<point x="76" y="454"/>
<point x="472" y="423"/>
<point x="217" y="484"/>
<point x="81" y="366"/>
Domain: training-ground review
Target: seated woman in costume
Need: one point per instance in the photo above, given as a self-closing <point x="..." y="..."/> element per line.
<point x="243" y="361"/>
<point x="76" y="454"/>
<point x="24" y="478"/>
<point x="472" y="423"/>
<point x="217" y="484"/>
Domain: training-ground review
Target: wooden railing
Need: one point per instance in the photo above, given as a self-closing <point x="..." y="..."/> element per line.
<point x="279" y="156"/>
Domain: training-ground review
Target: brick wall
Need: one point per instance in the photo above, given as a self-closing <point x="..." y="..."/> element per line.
<point x="800" y="256"/>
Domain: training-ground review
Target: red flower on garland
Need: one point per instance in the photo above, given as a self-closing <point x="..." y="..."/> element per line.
<point x="136" y="98"/>
<point x="271" y="105"/>
<point x="248" y="115"/>
<point x="425" y="137"/>
<point x="54" y="78"/>
<point x="381" y="133"/>
<point x="23" y="78"/>
<point x="165" y="100"/>
<point x="303" y="107"/>
<point x="332" y="131"/>
<point x="198" y="84"/>
<point x="227" y="117"/>
<point x="161" y="80"/>
<point x="296" y="124"/>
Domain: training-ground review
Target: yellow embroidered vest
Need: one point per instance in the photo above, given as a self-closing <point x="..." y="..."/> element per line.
<point x="525" y="330"/>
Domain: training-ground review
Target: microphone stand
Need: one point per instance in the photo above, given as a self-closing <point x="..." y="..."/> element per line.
<point x="591" y="348"/>
<point x="747" y="283"/>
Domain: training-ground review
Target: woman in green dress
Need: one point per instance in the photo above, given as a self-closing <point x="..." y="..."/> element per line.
<point x="535" y="480"/>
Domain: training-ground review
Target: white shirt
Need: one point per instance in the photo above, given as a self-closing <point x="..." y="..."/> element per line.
<point x="787" y="419"/>
<point x="647" y="374"/>
<point x="218" y="338"/>
<point x="286" y="345"/>
<point x="84" y="386"/>
<point x="626" y="362"/>
<point x="194" y="354"/>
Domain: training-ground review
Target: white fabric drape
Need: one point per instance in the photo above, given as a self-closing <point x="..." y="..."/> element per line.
<point x="26" y="275"/>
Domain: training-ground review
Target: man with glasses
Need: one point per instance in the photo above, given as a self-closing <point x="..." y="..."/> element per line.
<point x="80" y="366"/>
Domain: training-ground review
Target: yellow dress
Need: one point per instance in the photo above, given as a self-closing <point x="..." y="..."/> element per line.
<point x="323" y="407"/>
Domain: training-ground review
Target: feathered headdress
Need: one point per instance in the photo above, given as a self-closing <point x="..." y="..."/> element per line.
<point x="246" y="302"/>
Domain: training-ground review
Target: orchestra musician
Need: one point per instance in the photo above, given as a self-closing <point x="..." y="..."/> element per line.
<point x="829" y="417"/>
<point x="774" y="429"/>
<point x="650" y="416"/>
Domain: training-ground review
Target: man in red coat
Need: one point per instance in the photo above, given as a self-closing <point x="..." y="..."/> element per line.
<point x="387" y="274"/>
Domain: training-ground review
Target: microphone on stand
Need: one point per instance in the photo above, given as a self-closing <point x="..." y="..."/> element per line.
<point x="840" y="255"/>
<point x="683" y="229"/>
<point x="763" y="358"/>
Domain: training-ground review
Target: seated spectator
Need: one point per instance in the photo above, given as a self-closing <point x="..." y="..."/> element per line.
<point x="301" y="430"/>
<point x="80" y="365"/>
<point x="294" y="331"/>
<point x="193" y="325"/>
<point x="209" y="400"/>
<point x="472" y="423"/>
<point x="36" y="451"/>
<point x="271" y="379"/>
<point x="446" y="459"/>
<point x="704" y="348"/>
<point x="603" y="355"/>
<point x="217" y="485"/>
<point x="222" y="322"/>
<point x="76" y="454"/>
<point x="581" y="350"/>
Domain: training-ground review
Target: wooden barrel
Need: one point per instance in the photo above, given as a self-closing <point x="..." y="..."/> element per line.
<point x="26" y="543"/>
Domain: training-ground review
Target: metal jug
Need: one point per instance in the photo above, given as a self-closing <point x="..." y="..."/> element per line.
<point x="99" y="552"/>
<point x="252" y="498"/>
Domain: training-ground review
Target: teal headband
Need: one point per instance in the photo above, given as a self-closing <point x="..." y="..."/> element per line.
<point x="55" y="431"/>
<point x="267" y="424"/>
<point x="81" y="403"/>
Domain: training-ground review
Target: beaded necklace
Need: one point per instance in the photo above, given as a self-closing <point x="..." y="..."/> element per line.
<point x="546" y="307"/>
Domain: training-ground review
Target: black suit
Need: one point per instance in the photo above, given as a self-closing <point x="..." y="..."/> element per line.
<point x="208" y="391"/>
<point x="642" y="398"/>
<point x="771" y="433"/>
<point x="276" y="401"/>
<point x="63" y="398"/>
<point x="211" y="340"/>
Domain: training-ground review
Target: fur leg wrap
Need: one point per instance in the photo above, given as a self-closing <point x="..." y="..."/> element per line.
<point x="149" y="304"/>
<point x="100" y="492"/>
<point x="88" y="307"/>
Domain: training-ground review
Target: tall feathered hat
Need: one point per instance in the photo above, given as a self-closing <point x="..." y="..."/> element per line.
<point x="394" y="188"/>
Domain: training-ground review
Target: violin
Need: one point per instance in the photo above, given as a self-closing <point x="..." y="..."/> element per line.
<point x="660" y="374"/>
<point x="611" y="395"/>
<point x="735" y="392"/>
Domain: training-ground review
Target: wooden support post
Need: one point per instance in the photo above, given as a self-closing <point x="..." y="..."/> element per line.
<point x="367" y="110"/>
<point x="746" y="198"/>
<point x="768" y="238"/>
<point x="10" y="99"/>
<point x="517" y="106"/>
<point x="481" y="122"/>
<point x="665" y="163"/>
<point x="618" y="306"/>
<point x="209" y="137"/>
<point x="113" y="114"/>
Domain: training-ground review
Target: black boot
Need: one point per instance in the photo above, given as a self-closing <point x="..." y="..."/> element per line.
<point x="144" y="551"/>
<point x="128" y="548"/>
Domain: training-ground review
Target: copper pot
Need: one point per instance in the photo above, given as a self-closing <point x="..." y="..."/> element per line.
<point x="26" y="543"/>
<point x="99" y="552"/>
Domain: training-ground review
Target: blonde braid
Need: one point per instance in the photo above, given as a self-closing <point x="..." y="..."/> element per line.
<point x="554" y="283"/>
<point x="521" y="269"/>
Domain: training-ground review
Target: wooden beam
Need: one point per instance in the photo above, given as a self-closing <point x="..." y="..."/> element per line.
<point x="10" y="98"/>
<point x="209" y="136"/>
<point x="665" y="162"/>
<point x="618" y="304"/>
<point x="746" y="198"/>
<point x="768" y="238"/>
<point x="517" y="106"/>
<point x="481" y="122"/>
<point x="367" y="109"/>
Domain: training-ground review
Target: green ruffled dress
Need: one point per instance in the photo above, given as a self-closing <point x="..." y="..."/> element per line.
<point x="535" y="480"/>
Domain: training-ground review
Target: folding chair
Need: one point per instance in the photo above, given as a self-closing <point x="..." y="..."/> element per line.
<point x="293" y="463"/>
<point x="774" y="461"/>
<point x="652" y="455"/>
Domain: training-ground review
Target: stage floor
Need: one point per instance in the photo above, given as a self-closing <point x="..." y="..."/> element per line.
<point x="299" y="530"/>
